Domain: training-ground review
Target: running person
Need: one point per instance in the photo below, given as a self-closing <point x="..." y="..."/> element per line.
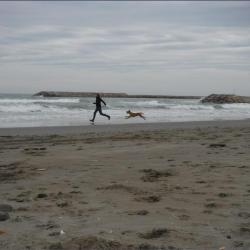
<point x="98" y="104"/>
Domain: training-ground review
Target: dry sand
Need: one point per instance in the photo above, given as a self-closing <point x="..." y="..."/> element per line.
<point x="158" y="186"/>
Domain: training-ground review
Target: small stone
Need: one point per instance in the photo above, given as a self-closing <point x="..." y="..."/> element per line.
<point x="4" y="216"/>
<point x="62" y="204"/>
<point x="41" y="196"/>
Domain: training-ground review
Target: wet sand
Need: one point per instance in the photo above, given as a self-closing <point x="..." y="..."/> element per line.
<point x="150" y="186"/>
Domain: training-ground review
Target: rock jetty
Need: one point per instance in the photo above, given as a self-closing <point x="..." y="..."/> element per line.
<point x="77" y="94"/>
<point x="220" y="99"/>
<point x="113" y="95"/>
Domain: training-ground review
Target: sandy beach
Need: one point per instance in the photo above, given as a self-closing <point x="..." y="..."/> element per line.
<point x="139" y="186"/>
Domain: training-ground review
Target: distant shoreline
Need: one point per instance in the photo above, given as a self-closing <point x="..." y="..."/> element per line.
<point x="111" y="95"/>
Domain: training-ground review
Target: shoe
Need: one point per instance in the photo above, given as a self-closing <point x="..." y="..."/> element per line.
<point x="91" y="120"/>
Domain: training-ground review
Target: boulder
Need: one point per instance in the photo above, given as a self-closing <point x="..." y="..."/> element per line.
<point x="220" y="99"/>
<point x="4" y="216"/>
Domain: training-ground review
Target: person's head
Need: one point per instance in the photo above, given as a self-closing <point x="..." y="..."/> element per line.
<point x="97" y="95"/>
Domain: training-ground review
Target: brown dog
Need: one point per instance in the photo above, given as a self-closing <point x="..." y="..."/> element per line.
<point x="132" y="114"/>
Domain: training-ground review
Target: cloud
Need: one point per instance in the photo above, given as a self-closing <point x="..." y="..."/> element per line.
<point x="118" y="40"/>
<point x="138" y="47"/>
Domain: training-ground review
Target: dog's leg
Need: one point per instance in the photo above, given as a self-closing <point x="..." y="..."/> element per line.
<point x="143" y="117"/>
<point x="126" y="117"/>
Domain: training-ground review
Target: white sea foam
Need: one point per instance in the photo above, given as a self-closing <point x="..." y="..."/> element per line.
<point x="20" y="111"/>
<point x="40" y="100"/>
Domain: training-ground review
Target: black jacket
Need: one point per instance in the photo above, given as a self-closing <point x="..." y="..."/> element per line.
<point x="98" y="102"/>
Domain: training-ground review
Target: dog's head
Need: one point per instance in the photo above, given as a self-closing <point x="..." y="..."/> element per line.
<point x="128" y="111"/>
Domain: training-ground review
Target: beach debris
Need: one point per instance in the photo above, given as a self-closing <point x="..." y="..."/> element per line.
<point x="96" y="243"/>
<point x="5" y="208"/>
<point x="211" y="205"/>
<point x="4" y="216"/>
<point x="152" y="175"/>
<point x="150" y="199"/>
<point x="245" y="230"/>
<point x="138" y="212"/>
<point x="217" y="145"/>
<point x="223" y="195"/>
<point x="2" y="232"/>
<point x="222" y="248"/>
<point x="62" y="232"/>
<point x="10" y="172"/>
<point x="41" y="169"/>
<point x="41" y="195"/>
<point x="155" y="233"/>
<point x="130" y="189"/>
<point x="28" y="149"/>
<point x="62" y="204"/>
<point x="238" y="244"/>
<point x="49" y="225"/>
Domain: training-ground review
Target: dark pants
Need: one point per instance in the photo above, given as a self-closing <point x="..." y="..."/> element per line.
<point x="99" y="109"/>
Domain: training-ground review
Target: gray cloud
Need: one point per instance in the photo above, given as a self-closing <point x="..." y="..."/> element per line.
<point x="125" y="37"/>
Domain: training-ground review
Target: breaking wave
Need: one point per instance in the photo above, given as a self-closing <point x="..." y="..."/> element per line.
<point x="19" y="111"/>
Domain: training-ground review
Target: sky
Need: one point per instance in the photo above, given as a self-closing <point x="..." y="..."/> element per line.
<point x="151" y="47"/>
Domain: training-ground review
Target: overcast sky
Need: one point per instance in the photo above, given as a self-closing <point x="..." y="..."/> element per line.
<point x="186" y="48"/>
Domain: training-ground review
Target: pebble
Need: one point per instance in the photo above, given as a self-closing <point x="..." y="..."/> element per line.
<point x="41" y="195"/>
<point x="4" y="216"/>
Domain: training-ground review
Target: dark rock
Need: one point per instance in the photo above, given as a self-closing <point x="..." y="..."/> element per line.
<point x="4" y="216"/>
<point x="152" y="175"/>
<point x="139" y="212"/>
<point x="5" y="208"/>
<point x="238" y="244"/>
<point x="220" y="99"/>
<point x="150" y="199"/>
<point x="42" y="195"/>
<point x="245" y="230"/>
<point x="211" y="205"/>
<point x="217" y="145"/>
<point x="224" y="195"/>
<point x="155" y="233"/>
<point x="62" y="204"/>
<point x="142" y="212"/>
<point x="49" y="225"/>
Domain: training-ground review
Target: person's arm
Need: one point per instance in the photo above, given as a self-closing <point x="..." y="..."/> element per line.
<point x="103" y="102"/>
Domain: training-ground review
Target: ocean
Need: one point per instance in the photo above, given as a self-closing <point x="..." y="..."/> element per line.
<point x="19" y="110"/>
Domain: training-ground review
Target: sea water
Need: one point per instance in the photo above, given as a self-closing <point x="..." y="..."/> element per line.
<point x="18" y="110"/>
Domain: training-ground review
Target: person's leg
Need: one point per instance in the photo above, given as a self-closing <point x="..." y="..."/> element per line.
<point x="100" y="111"/>
<point x="94" y="114"/>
